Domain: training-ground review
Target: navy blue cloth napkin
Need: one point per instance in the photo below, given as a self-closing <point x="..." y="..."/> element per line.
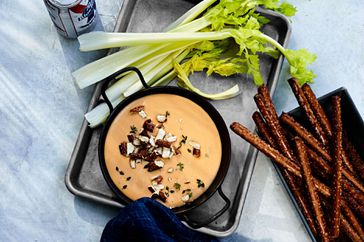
<point x="148" y="220"/>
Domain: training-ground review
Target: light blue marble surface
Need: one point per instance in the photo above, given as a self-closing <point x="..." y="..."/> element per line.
<point x="41" y="111"/>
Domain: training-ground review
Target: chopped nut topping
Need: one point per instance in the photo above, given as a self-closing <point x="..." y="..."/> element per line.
<point x="131" y="138"/>
<point x="122" y="148"/>
<point x="166" y="152"/>
<point x="195" y="145"/>
<point x="148" y="125"/>
<point x="161" y="118"/>
<point x="159" y="163"/>
<point x="132" y="164"/>
<point x="152" y="166"/>
<point x="169" y="179"/>
<point x="152" y="140"/>
<point x="144" y="139"/>
<point x="159" y="150"/>
<point x="136" y="142"/>
<point x="171" y="138"/>
<point x="185" y="198"/>
<point x="163" y="143"/>
<point x="160" y="134"/>
<point x="143" y="114"/>
<point x="196" y="152"/>
<point x="170" y="170"/>
<point x="129" y="148"/>
<point x="162" y="196"/>
<point x="157" y="179"/>
<point x="137" y="109"/>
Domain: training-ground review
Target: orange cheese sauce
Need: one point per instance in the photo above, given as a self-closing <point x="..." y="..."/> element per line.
<point x="186" y="118"/>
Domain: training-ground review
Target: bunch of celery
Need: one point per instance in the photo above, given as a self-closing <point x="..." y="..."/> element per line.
<point x="197" y="41"/>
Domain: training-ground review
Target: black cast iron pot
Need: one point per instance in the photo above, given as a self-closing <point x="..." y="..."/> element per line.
<point x="182" y="211"/>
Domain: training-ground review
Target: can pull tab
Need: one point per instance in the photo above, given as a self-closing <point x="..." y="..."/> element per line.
<point x="110" y="78"/>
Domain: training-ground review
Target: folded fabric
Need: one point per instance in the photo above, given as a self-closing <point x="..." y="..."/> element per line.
<point x="148" y="220"/>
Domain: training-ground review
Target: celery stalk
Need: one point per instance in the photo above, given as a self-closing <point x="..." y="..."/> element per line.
<point x="102" y="40"/>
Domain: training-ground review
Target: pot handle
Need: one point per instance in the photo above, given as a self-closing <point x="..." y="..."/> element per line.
<point x="196" y="225"/>
<point x="108" y="79"/>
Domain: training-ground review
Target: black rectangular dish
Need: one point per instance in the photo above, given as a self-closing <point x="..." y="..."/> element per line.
<point x="83" y="176"/>
<point x="352" y="123"/>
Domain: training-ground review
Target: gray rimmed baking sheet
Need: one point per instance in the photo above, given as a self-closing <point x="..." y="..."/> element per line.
<point x="83" y="176"/>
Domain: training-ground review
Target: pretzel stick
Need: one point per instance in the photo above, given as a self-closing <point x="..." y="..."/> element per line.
<point x="317" y="109"/>
<point x="346" y="161"/>
<point x="265" y="148"/>
<point x="277" y="157"/>
<point x="314" y="199"/>
<point x="322" y="165"/>
<point x="305" y="135"/>
<point x="350" y="216"/>
<point x="349" y="231"/>
<point x="302" y="203"/>
<point x="274" y="126"/>
<point x="263" y="129"/>
<point x="354" y="193"/>
<point x="354" y="205"/>
<point x="302" y="101"/>
<point x="355" y="157"/>
<point x="336" y="189"/>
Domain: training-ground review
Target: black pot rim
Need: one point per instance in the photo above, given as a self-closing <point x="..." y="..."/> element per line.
<point x="208" y="108"/>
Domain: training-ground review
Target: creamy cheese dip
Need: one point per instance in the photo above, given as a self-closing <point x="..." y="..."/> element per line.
<point x="186" y="119"/>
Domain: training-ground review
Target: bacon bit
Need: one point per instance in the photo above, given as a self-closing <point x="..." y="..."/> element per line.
<point x="196" y="152"/>
<point x="148" y="125"/>
<point x="163" y="143"/>
<point x="137" y="109"/>
<point x="123" y="149"/>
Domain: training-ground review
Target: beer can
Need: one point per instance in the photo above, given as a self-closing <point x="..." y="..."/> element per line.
<point x="72" y="17"/>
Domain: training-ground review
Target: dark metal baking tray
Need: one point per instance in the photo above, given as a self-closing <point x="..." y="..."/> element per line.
<point x="352" y="123"/>
<point x="83" y="176"/>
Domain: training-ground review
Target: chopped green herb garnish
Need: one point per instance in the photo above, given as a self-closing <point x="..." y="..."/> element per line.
<point x="171" y="191"/>
<point x="180" y="166"/>
<point x="190" y="194"/>
<point x="189" y="150"/>
<point x="177" y="186"/>
<point x="200" y="183"/>
<point x="128" y="179"/>
<point x="133" y="129"/>
<point x="167" y="114"/>
<point x="125" y="186"/>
